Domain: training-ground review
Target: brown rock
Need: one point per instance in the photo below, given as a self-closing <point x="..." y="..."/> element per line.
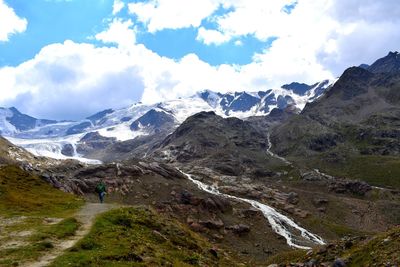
<point x="239" y="229"/>
<point x="197" y="227"/>
<point x="320" y="201"/>
<point x="250" y="213"/>
<point x="212" y="224"/>
<point x="322" y="209"/>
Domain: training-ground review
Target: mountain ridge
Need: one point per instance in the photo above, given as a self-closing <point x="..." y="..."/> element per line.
<point x="62" y="139"/>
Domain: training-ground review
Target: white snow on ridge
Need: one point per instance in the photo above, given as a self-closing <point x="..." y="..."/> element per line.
<point x="184" y="108"/>
<point x="48" y="140"/>
<point x="121" y="132"/>
<point x="6" y="128"/>
<point x="52" y="147"/>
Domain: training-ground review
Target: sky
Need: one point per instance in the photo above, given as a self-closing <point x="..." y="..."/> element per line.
<point x="68" y="59"/>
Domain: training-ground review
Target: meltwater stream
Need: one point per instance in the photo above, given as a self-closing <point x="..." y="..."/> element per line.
<point x="272" y="154"/>
<point x="281" y="224"/>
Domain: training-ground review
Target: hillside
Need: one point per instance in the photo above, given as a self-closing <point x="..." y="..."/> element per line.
<point x="105" y="133"/>
<point x="228" y="145"/>
<point x="29" y="208"/>
<point x="379" y="250"/>
<point x="140" y="236"/>
<point x="353" y="130"/>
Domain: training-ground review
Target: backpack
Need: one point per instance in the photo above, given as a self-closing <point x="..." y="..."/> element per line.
<point x="100" y="188"/>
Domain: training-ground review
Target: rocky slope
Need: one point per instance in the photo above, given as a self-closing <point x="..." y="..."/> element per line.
<point x="233" y="155"/>
<point x="13" y="121"/>
<point x="68" y="139"/>
<point x="256" y="187"/>
<point x="356" y="123"/>
<point x="14" y="155"/>
<point x="378" y="250"/>
<point x="228" y="145"/>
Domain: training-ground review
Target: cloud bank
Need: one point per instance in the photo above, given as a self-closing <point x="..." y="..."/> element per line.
<point x="312" y="40"/>
<point x="10" y="23"/>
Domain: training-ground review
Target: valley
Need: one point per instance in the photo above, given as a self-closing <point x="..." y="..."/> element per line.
<point x="307" y="175"/>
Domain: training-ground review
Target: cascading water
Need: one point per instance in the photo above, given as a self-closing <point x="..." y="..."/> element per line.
<point x="272" y="154"/>
<point x="295" y="235"/>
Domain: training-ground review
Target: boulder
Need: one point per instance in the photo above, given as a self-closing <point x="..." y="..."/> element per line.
<point x="339" y="263"/>
<point x="250" y="213"/>
<point x="239" y="229"/>
<point x="185" y="197"/>
<point x="320" y="201"/>
<point x="293" y="198"/>
<point x="354" y="187"/>
<point x="212" y="224"/>
<point x="68" y="150"/>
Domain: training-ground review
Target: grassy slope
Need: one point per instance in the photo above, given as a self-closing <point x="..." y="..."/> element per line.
<point x="380" y="250"/>
<point x="25" y="203"/>
<point x="39" y="243"/>
<point x="141" y="237"/>
<point x="22" y="193"/>
<point x="375" y="170"/>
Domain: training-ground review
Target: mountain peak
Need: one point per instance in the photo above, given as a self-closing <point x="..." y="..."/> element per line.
<point x="353" y="82"/>
<point x="388" y="64"/>
<point x="14" y="110"/>
<point x="298" y="88"/>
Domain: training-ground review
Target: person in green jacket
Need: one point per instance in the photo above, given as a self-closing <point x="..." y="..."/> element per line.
<point x="101" y="191"/>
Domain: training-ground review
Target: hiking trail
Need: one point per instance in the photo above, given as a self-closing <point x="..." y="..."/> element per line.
<point x="86" y="217"/>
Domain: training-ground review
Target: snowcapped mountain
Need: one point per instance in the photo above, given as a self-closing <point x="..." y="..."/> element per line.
<point x="246" y="104"/>
<point x="12" y="121"/>
<point x="74" y="139"/>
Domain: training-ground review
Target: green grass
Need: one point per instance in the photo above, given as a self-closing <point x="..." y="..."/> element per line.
<point x="40" y="242"/>
<point x="375" y="170"/>
<point x="22" y="193"/>
<point x="332" y="229"/>
<point x="62" y="230"/>
<point x="287" y="256"/>
<point x="380" y="250"/>
<point x="13" y="257"/>
<point x="140" y="237"/>
<point x="27" y="200"/>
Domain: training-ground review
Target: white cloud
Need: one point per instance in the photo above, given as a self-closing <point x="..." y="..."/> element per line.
<point x="119" y="32"/>
<point x="238" y="43"/>
<point x="10" y="23"/>
<point x="211" y="36"/>
<point x="117" y="6"/>
<point x="323" y="36"/>
<point x="71" y="80"/>
<point x="263" y="19"/>
<point x="317" y="40"/>
<point x="172" y="14"/>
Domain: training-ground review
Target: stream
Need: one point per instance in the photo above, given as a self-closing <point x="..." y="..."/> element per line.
<point x="295" y="235"/>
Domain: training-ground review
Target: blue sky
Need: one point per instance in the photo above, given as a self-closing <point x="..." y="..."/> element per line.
<point x="51" y="22"/>
<point x="67" y="59"/>
<point x="54" y="21"/>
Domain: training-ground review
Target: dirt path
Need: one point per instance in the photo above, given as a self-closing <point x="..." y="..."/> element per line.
<point x="86" y="217"/>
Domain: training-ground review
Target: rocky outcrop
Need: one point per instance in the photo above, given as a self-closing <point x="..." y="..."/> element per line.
<point x="239" y="229"/>
<point x="212" y="223"/>
<point x="68" y="150"/>
<point x="80" y="179"/>
<point x="337" y="184"/>
<point x="92" y="142"/>
<point x="162" y="169"/>
<point x="354" y="187"/>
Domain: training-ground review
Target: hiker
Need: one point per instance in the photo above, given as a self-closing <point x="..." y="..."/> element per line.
<point x="101" y="191"/>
